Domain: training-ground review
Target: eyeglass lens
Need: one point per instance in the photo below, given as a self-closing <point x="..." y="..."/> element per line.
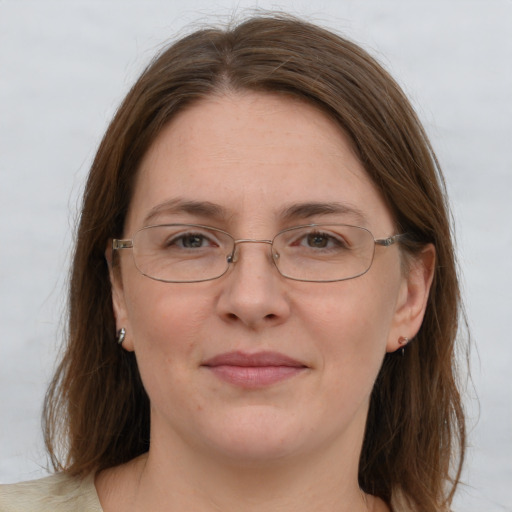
<point x="189" y="253"/>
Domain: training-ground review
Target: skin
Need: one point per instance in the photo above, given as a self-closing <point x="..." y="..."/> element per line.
<point x="293" y="445"/>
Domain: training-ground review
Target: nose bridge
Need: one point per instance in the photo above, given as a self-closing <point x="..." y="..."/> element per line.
<point x="234" y="255"/>
<point x="253" y="294"/>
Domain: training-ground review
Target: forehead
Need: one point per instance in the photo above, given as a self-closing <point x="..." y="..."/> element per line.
<point x="253" y="152"/>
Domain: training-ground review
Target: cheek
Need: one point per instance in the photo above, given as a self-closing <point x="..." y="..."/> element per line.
<point x="357" y="312"/>
<point x="167" y="324"/>
<point x="165" y="320"/>
<point x="350" y="323"/>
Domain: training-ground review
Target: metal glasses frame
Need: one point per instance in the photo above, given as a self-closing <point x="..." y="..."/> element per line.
<point x="118" y="244"/>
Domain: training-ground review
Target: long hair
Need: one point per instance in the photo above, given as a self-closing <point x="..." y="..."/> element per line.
<point x="97" y="411"/>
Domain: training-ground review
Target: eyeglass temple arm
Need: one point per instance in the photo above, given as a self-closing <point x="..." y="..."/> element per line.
<point x="390" y="240"/>
<point x="121" y="244"/>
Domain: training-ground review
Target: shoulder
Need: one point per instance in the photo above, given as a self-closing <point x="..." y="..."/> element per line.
<point x="55" y="493"/>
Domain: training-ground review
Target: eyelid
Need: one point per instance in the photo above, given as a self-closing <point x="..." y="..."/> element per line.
<point x="329" y="235"/>
<point x="209" y="235"/>
<point x="194" y="231"/>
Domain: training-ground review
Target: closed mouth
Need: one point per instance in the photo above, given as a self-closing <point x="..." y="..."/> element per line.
<point x="254" y="370"/>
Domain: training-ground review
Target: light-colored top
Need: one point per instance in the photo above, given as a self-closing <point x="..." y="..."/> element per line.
<point x="55" y="493"/>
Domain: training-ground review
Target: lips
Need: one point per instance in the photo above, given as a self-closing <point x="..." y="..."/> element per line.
<point x="254" y="370"/>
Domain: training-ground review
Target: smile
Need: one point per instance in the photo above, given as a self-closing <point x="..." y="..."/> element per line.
<point x="254" y="370"/>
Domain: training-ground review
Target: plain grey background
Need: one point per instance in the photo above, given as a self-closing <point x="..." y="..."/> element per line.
<point x="65" y="66"/>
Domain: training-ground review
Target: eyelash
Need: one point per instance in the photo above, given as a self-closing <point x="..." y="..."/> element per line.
<point x="183" y="236"/>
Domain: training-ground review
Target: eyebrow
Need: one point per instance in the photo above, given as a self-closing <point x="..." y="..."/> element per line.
<point x="314" y="209"/>
<point x="296" y="211"/>
<point x="199" y="208"/>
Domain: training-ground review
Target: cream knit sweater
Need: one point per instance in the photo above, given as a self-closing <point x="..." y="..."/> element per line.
<point x="55" y="493"/>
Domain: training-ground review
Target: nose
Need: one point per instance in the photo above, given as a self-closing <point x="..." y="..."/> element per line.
<point x="253" y="291"/>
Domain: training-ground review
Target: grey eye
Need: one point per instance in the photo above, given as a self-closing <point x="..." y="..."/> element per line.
<point x="192" y="241"/>
<point x="317" y="240"/>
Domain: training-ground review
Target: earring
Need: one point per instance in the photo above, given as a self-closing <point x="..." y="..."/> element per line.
<point x="402" y="341"/>
<point x="121" y="335"/>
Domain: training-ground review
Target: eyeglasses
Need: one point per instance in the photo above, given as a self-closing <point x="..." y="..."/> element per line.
<point x="189" y="253"/>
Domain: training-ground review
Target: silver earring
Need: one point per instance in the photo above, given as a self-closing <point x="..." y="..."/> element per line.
<point x="402" y="341"/>
<point x="121" y="335"/>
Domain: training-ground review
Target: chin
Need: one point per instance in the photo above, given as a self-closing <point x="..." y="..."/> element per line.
<point x="258" y="438"/>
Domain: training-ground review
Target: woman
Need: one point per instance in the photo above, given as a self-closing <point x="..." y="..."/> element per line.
<point x="264" y="300"/>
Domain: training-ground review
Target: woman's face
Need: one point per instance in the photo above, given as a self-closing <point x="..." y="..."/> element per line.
<point x="239" y="162"/>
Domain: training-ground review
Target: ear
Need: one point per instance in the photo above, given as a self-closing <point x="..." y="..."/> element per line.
<point x="412" y="297"/>
<point x="118" y="300"/>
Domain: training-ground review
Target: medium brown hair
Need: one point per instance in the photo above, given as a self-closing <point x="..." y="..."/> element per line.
<point x="97" y="411"/>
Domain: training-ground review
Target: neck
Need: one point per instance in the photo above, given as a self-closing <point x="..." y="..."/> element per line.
<point x="299" y="484"/>
<point x="174" y="475"/>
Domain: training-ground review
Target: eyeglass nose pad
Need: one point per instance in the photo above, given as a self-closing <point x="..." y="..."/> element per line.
<point x="233" y="257"/>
